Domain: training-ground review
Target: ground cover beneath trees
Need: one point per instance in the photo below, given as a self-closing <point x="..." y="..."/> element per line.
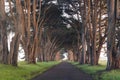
<point x="99" y="72"/>
<point x="24" y="71"/>
<point x="63" y="71"/>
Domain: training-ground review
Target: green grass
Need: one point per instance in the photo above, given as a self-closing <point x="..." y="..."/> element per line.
<point x="24" y="71"/>
<point x="111" y="75"/>
<point x="90" y="69"/>
<point x="98" y="72"/>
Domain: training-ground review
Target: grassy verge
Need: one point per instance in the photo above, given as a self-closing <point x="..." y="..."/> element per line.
<point x="24" y="71"/>
<point x="111" y="75"/>
<point x="98" y="72"/>
<point x="92" y="70"/>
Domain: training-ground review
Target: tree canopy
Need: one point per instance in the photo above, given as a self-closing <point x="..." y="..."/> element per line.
<point x="44" y="27"/>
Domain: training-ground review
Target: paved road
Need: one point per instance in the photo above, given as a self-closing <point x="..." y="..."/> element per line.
<point x="63" y="71"/>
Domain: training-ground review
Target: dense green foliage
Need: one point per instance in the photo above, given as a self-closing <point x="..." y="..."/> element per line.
<point x="24" y="71"/>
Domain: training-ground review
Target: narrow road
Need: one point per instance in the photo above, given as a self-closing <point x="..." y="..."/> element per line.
<point x="63" y="71"/>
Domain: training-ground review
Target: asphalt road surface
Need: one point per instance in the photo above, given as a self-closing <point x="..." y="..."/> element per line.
<point x="63" y="71"/>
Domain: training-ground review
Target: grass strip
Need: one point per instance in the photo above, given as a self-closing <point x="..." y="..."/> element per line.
<point x="98" y="72"/>
<point x="24" y="71"/>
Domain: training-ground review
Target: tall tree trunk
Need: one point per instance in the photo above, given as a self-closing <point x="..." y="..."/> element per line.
<point x="89" y="33"/>
<point x="3" y="27"/>
<point x="28" y="50"/>
<point x="111" y="32"/>
<point x="13" y="57"/>
<point x="5" y="51"/>
<point x="82" y="61"/>
<point x="94" y="25"/>
<point x="19" y="32"/>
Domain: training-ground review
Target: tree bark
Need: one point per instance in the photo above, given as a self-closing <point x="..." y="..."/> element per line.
<point x="3" y="27"/>
<point x="13" y="57"/>
<point x="111" y="32"/>
<point x="19" y="32"/>
<point x="83" y="55"/>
